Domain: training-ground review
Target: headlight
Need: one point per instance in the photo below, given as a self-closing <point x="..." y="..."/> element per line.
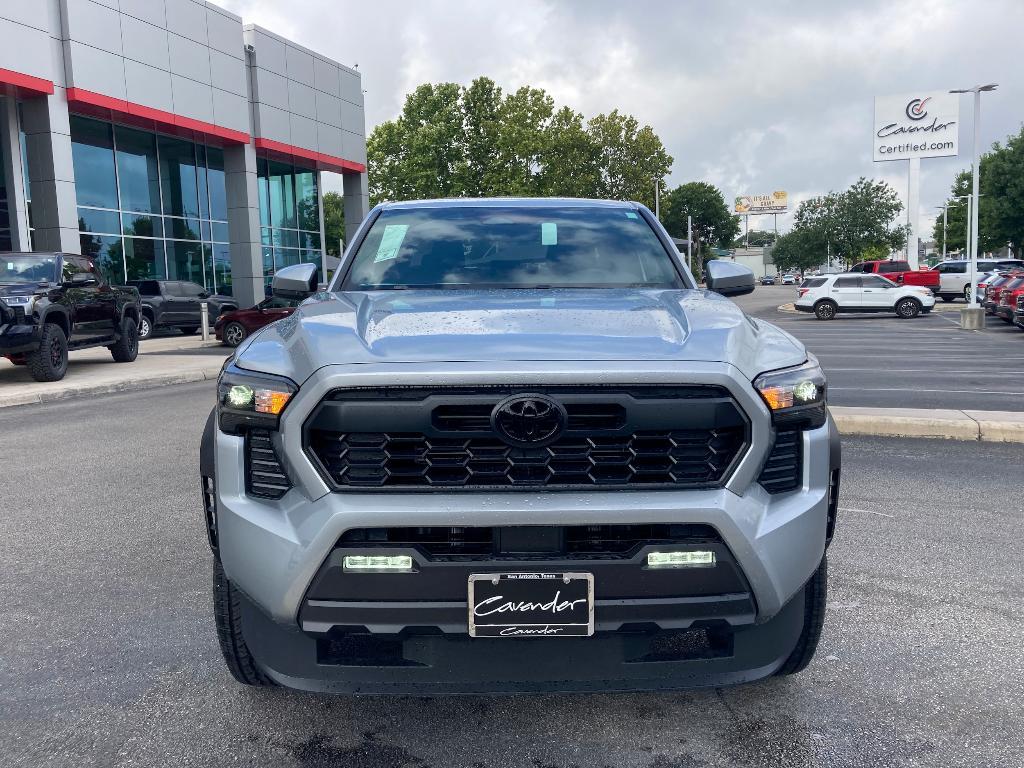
<point x="246" y="400"/>
<point x="795" y="396"/>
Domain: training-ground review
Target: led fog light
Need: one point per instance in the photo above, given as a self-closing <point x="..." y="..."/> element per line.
<point x="378" y="563"/>
<point x="680" y="559"/>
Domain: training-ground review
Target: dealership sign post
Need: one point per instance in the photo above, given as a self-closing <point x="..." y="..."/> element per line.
<point x="910" y="127"/>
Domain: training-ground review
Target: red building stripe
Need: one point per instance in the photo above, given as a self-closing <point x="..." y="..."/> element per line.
<point x="27" y="84"/>
<point x="321" y="161"/>
<point x="160" y="119"/>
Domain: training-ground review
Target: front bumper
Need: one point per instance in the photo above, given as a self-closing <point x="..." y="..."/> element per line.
<point x="19" y="338"/>
<point x="273" y="551"/>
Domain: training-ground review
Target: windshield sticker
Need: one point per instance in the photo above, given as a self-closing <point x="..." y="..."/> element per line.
<point x="631" y="215"/>
<point x="390" y="242"/>
<point x="548" y="233"/>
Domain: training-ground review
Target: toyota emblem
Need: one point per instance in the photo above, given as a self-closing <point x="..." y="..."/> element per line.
<point x="528" y="420"/>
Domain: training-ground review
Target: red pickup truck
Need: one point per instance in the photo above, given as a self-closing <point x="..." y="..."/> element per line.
<point x="901" y="273"/>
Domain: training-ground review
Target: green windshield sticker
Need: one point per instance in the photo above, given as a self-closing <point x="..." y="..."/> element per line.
<point x="631" y="215"/>
<point x="390" y="242"/>
<point x="548" y="233"/>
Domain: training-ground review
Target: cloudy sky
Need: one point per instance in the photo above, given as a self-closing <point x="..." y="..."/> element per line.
<point x="750" y="96"/>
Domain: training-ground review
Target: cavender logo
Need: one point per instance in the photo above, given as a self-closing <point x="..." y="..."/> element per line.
<point x="915" y="109"/>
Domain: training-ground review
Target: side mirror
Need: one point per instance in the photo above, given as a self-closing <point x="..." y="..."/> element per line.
<point x="728" y="278"/>
<point x="296" y="282"/>
<point x="204" y="295"/>
<point x="81" y="280"/>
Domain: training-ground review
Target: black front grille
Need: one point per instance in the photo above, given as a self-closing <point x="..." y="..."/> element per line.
<point x="564" y="541"/>
<point x="265" y="475"/>
<point x="783" y="471"/>
<point x="687" y="436"/>
<point x="682" y="458"/>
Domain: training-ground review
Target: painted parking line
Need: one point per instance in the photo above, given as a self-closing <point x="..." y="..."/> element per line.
<point x="865" y="511"/>
<point x="933" y="391"/>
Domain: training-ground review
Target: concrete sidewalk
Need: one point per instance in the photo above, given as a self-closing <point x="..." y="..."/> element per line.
<point x="161" y="361"/>
<point x="181" y="359"/>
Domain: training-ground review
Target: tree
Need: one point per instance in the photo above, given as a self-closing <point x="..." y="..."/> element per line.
<point x="713" y="224"/>
<point x="864" y="219"/>
<point x="800" y="249"/>
<point x="476" y="141"/>
<point x="334" y="222"/>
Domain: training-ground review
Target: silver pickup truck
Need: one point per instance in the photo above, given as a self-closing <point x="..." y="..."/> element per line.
<point x="515" y="447"/>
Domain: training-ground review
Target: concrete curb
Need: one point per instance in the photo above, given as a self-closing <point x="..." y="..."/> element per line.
<point x="987" y="426"/>
<point x="147" y="382"/>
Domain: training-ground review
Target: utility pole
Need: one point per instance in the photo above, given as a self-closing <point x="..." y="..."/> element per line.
<point x="944" y="207"/>
<point x="689" y="242"/>
<point x="657" y="200"/>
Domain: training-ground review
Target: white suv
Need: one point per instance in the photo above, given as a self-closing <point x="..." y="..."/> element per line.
<point x="827" y="296"/>
<point x="955" y="274"/>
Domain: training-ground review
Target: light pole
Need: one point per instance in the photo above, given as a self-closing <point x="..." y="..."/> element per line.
<point x="944" y="207"/>
<point x="975" y="168"/>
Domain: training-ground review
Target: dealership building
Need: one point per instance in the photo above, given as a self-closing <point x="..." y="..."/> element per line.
<point x="169" y="139"/>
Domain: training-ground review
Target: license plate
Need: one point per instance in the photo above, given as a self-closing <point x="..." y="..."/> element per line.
<point x="531" y="604"/>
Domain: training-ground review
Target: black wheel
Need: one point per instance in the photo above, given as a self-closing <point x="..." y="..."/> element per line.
<point x="188" y="330"/>
<point x="967" y="293"/>
<point x="145" y="327"/>
<point x="815" y="594"/>
<point x="227" y="614"/>
<point x="907" y="308"/>
<point x="946" y="298"/>
<point x="234" y="334"/>
<point x="825" y="310"/>
<point x="126" y="349"/>
<point x="50" y="361"/>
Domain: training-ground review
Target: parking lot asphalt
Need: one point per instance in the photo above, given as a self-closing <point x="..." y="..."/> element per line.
<point x="880" y="361"/>
<point x="109" y="656"/>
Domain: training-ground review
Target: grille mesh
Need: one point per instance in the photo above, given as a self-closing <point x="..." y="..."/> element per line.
<point x="783" y="471"/>
<point x="678" y="458"/>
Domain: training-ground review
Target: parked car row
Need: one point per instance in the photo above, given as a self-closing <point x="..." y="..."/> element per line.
<point x="1003" y="295"/>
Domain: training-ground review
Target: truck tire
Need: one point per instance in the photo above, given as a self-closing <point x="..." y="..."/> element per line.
<point x="126" y="348"/>
<point x="227" y="614"/>
<point x="967" y="293"/>
<point x="50" y="361"/>
<point x="946" y="297"/>
<point x="145" y="326"/>
<point x="815" y="596"/>
<point x="908" y="308"/>
<point x="188" y="330"/>
<point x="825" y="310"/>
<point x="234" y="334"/>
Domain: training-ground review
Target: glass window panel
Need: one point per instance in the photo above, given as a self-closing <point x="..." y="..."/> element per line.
<point x="178" y="179"/>
<point x="92" y="153"/>
<point x="268" y="262"/>
<point x="285" y="238"/>
<point x="183" y="229"/>
<point x="94" y="220"/>
<point x="306" y="200"/>
<point x="144" y="258"/>
<point x="185" y="261"/>
<point x="285" y="257"/>
<point x="216" y="182"/>
<point x="282" y="195"/>
<point x="108" y="254"/>
<point x="204" y="190"/>
<point x="265" y="236"/>
<point x="310" y="240"/>
<point x="142" y="225"/>
<point x="222" y="268"/>
<point x="263" y="184"/>
<point x="205" y="231"/>
<point x="208" y="279"/>
<point x="137" y="172"/>
<point x="220" y="232"/>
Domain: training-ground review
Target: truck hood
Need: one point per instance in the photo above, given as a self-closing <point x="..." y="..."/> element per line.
<point x="517" y="325"/>
<point x="22" y="289"/>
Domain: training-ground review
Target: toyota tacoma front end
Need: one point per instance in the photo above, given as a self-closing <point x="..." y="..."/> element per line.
<point x="513" y="447"/>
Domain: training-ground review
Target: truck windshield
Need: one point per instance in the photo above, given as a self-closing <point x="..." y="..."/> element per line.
<point x="511" y="247"/>
<point x="26" y="268"/>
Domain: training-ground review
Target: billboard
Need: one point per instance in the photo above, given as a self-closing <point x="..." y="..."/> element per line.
<point x="752" y="205"/>
<point x="916" y="125"/>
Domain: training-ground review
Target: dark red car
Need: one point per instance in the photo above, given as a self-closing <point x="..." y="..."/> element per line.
<point x="233" y="327"/>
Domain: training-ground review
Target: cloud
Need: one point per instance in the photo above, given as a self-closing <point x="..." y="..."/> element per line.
<point x="751" y="97"/>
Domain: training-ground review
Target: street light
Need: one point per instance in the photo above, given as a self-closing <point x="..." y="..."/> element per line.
<point x="944" y="207"/>
<point x="975" y="164"/>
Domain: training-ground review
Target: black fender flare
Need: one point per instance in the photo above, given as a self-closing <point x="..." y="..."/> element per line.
<point x="206" y="446"/>
<point x="55" y="313"/>
<point x="835" y="462"/>
<point x="208" y="480"/>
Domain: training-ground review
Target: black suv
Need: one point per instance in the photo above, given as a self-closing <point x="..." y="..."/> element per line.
<point x="51" y="303"/>
<point x="177" y="304"/>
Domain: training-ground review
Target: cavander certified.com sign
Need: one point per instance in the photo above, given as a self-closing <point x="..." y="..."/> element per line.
<point x="916" y="125"/>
